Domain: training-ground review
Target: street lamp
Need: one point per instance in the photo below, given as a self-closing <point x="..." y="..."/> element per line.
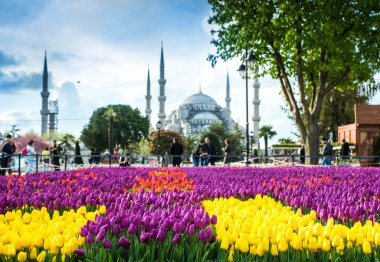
<point x="243" y="71"/>
<point x="158" y="127"/>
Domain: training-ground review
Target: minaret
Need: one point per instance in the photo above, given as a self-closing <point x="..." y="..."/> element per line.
<point x="148" y="97"/>
<point x="162" y="82"/>
<point x="45" y="97"/>
<point x="256" y="110"/>
<point x="228" y="98"/>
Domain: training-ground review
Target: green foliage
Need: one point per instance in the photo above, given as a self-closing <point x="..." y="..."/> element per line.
<point x="286" y="141"/>
<point x="323" y="45"/>
<point x="286" y="145"/>
<point x="218" y="133"/>
<point x="267" y="133"/>
<point x="190" y="143"/>
<point x="160" y="143"/>
<point x="129" y="128"/>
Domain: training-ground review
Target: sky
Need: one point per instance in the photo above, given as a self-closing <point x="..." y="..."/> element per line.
<point x="98" y="53"/>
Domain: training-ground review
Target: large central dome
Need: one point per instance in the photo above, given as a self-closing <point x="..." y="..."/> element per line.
<point x="199" y="99"/>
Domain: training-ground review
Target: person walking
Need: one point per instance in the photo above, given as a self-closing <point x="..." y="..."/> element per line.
<point x="45" y="157"/>
<point x="176" y="151"/>
<point x="56" y="155"/>
<point x="302" y="154"/>
<point x="210" y="149"/>
<point x="227" y="151"/>
<point x="327" y="152"/>
<point x="344" y="150"/>
<point x="8" y="148"/>
<point x="30" y="156"/>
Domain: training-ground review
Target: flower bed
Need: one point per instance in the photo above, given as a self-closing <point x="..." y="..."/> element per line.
<point x="193" y="214"/>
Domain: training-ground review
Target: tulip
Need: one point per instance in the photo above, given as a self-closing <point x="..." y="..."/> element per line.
<point x="191" y="229"/>
<point x="22" y="256"/>
<point x="100" y="236"/>
<point x="89" y="239"/>
<point x="107" y="243"/>
<point x="214" y="219"/>
<point x="176" y="238"/>
<point x="80" y="252"/>
<point x="124" y="243"/>
<point x="132" y="229"/>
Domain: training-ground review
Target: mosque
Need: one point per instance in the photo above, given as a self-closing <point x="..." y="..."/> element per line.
<point x="196" y="113"/>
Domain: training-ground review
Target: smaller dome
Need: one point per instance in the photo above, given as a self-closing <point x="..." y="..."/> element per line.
<point x="205" y="116"/>
<point x="173" y="127"/>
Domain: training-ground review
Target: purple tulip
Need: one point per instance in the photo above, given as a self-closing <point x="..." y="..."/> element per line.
<point x="190" y="229"/>
<point x="124" y="243"/>
<point x="214" y="220"/>
<point x="80" y="252"/>
<point x="132" y="229"/>
<point x="100" y="236"/>
<point x="107" y="243"/>
<point x="144" y="237"/>
<point x="161" y="235"/>
<point x="83" y="231"/>
<point x="89" y="239"/>
<point x="176" y="238"/>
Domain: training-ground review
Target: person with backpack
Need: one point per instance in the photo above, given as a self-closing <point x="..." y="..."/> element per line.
<point x="30" y="156"/>
<point x="7" y="148"/>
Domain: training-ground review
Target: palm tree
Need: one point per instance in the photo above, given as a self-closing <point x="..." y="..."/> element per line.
<point x="190" y="143"/>
<point x="267" y="133"/>
<point x="110" y="115"/>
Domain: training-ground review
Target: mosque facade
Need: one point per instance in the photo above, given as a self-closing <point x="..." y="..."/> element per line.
<point x="195" y="114"/>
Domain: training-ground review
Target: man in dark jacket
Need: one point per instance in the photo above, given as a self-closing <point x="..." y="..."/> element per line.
<point x="176" y="151"/>
<point x="345" y="149"/>
<point x="211" y="152"/>
<point x="327" y="152"/>
<point x="8" y="149"/>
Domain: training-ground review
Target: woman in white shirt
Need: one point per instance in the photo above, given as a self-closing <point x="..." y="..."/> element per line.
<point x="30" y="156"/>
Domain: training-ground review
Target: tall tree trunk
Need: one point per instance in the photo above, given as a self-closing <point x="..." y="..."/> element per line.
<point x="266" y="148"/>
<point x="312" y="143"/>
<point x="110" y="134"/>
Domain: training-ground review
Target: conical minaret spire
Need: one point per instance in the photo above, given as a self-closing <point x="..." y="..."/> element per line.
<point x="162" y="82"/>
<point x="148" y="97"/>
<point x="45" y="96"/>
<point x="228" y="97"/>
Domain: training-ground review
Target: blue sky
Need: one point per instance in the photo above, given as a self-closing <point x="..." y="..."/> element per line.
<point x="98" y="54"/>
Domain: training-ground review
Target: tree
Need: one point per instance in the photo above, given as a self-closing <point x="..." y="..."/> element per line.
<point x="219" y="133"/>
<point x="67" y="141"/>
<point x="189" y="145"/>
<point x="286" y="141"/>
<point x="165" y="140"/>
<point x="338" y="109"/>
<point x="39" y="143"/>
<point x="314" y="43"/>
<point x="130" y="128"/>
<point x="267" y="133"/>
<point x="110" y="116"/>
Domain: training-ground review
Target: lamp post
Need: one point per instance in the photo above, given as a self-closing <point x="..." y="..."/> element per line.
<point x="243" y="71"/>
<point x="158" y="127"/>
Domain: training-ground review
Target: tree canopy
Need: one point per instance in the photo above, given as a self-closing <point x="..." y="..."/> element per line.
<point x="129" y="128"/>
<point x="159" y="143"/>
<point x="312" y="47"/>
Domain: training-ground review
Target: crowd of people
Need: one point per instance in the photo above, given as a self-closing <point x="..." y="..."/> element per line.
<point x="204" y="154"/>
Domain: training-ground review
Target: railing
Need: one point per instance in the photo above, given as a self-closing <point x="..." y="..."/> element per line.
<point x="20" y="164"/>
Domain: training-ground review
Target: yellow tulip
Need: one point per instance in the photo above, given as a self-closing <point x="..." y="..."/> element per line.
<point x="231" y="254"/>
<point x="283" y="244"/>
<point x="41" y="256"/>
<point x="274" y="250"/>
<point x="252" y="250"/>
<point x="102" y="209"/>
<point x="326" y="245"/>
<point x="259" y="250"/>
<point x="377" y="239"/>
<point x="367" y="248"/>
<point x="349" y="244"/>
<point x="33" y="253"/>
<point x="22" y="256"/>
<point x="265" y="244"/>
<point x="336" y="241"/>
<point x="244" y="246"/>
<point x="313" y="244"/>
